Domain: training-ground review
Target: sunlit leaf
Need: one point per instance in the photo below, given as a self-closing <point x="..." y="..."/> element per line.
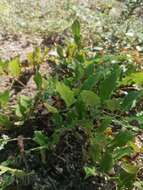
<point x="136" y="78"/>
<point x="66" y="93"/>
<point x="14" y="67"/>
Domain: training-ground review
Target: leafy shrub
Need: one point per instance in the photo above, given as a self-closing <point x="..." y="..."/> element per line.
<point x="87" y="91"/>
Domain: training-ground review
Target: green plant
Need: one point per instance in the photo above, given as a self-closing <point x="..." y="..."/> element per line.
<point x="89" y="92"/>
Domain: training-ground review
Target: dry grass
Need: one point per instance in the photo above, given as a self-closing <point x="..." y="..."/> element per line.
<point x="98" y="17"/>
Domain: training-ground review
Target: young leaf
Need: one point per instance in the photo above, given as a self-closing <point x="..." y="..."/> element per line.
<point x="66" y="93"/>
<point x="14" y="67"/>
<point x="76" y="28"/>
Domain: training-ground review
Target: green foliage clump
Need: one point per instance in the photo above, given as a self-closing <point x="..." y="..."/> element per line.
<point x="87" y="91"/>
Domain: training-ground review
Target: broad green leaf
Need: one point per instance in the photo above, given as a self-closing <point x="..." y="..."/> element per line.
<point x="106" y="163"/>
<point x="130" y="100"/>
<point x="122" y="138"/>
<point x="40" y="138"/>
<point x="90" y="98"/>
<point x="66" y="93"/>
<point x="14" y="67"/>
<point x="38" y="80"/>
<point x="89" y="83"/>
<point x="108" y="85"/>
<point x="4" y="97"/>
